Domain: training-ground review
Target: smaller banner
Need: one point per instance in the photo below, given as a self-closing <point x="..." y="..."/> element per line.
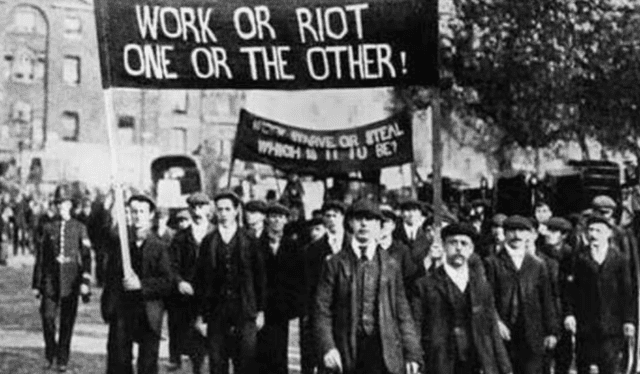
<point x="324" y="153"/>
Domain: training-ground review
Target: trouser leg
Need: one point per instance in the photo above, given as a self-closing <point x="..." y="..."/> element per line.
<point x="49" y="312"/>
<point x="148" y="348"/>
<point x="273" y="341"/>
<point x="176" y="329"/>
<point x="119" y="347"/>
<point x="217" y="345"/>
<point x="245" y="354"/>
<point x="308" y="360"/>
<point x="68" y="313"/>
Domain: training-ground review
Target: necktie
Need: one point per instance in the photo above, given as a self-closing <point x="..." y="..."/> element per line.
<point x="363" y="253"/>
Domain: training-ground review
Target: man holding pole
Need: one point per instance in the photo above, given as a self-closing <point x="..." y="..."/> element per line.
<point x="135" y="287"/>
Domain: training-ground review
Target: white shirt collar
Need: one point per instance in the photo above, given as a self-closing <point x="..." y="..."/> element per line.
<point x="335" y="240"/>
<point x="227" y="233"/>
<point x="599" y="255"/>
<point x="459" y="276"/>
<point x="370" y="252"/>
<point x="516" y="256"/>
<point x="385" y="242"/>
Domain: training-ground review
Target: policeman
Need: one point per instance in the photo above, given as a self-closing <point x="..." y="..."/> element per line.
<point x="61" y="273"/>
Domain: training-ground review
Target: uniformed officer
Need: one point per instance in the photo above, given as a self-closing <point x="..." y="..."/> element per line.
<point x="62" y="272"/>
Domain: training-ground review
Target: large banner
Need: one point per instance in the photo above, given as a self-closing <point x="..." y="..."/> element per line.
<point x="323" y="153"/>
<point x="274" y="44"/>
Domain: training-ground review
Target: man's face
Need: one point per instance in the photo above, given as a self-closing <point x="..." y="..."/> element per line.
<point x="226" y="211"/>
<point x="458" y="249"/>
<point x="365" y="228"/>
<point x="517" y="239"/>
<point x="316" y="232"/>
<point x="412" y="216"/>
<point x="183" y="223"/>
<point x="64" y="208"/>
<point x="497" y="232"/>
<point x="542" y="213"/>
<point x="598" y="234"/>
<point x="553" y="237"/>
<point x="200" y="211"/>
<point x="254" y="218"/>
<point x="141" y="214"/>
<point x="276" y="222"/>
<point x="333" y="220"/>
<point x="388" y="226"/>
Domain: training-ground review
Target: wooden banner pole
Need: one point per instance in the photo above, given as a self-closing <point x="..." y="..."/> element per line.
<point x="118" y="191"/>
<point x="436" y="144"/>
<point x="231" y="167"/>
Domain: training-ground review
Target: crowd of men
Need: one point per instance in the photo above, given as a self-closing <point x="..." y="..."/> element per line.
<point x="376" y="288"/>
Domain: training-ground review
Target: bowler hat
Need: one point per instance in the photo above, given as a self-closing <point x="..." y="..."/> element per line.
<point x="517" y="222"/>
<point x="365" y="208"/>
<point x="559" y="224"/>
<point x="411" y="204"/>
<point x="144" y="198"/>
<point x="389" y="215"/>
<point x="198" y="198"/>
<point x="63" y="192"/>
<point x="315" y="222"/>
<point x="256" y="206"/>
<point x="459" y="229"/>
<point x="277" y="208"/>
<point x="334" y="205"/>
<point x="183" y="214"/>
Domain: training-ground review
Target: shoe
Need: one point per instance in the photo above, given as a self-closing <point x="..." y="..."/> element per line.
<point x="62" y="369"/>
<point x="173" y="366"/>
<point x="48" y="365"/>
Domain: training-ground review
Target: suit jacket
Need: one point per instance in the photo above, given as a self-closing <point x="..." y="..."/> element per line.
<point x="315" y="256"/>
<point x="538" y="311"/>
<point x="50" y="276"/>
<point x="336" y="320"/>
<point x="601" y="296"/>
<point x="184" y="252"/>
<point x="155" y="276"/>
<point x="285" y="279"/>
<point x="433" y="311"/>
<point x="209" y="279"/>
<point x="419" y="246"/>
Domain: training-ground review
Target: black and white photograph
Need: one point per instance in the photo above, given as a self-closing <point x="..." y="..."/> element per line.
<point x="320" y="186"/>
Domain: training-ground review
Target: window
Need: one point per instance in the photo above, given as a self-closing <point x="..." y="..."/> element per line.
<point x="26" y="65"/>
<point x="72" y="27"/>
<point x="70" y="126"/>
<point x="21" y="112"/>
<point x="27" y="20"/>
<point x="178" y="140"/>
<point x="179" y="101"/>
<point x="126" y="126"/>
<point x="71" y="70"/>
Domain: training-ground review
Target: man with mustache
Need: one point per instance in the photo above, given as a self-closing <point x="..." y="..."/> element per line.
<point x="455" y="312"/>
<point x="599" y="305"/>
<point x="524" y="301"/>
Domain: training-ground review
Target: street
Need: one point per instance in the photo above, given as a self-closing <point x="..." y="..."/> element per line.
<point x="22" y="345"/>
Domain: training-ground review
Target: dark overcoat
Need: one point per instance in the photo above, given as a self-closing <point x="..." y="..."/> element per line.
<point x="336" y="313"/>
<point x="433" y="311"/>
<point x="536" y="298"/>
<point x="155" y="276"/>
<point x="419" y="246"/>
<point x="601" y="296"/>
<point x="53" y="278"/>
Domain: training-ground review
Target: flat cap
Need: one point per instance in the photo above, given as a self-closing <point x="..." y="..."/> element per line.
<point x="365" y="208"/>
<point x="389" y="215"/>
<point x="498" y="220"/>
<point x="411" y="204"/>
<point x="598" y="218"/>
<point x="334" y="205"/>
<point x="198" y="198"/>
<point x="277" y="208"/>
<point x="559" y="224"/>
<point x="227" y="194"/>
<point x="142" y="197"/>
<point x="459" y="229"/>
<point x="603" y="201"/>
<point x="183" y="214"/>
<point x="315" y="222"/>
<point x="256" y="206"/>
<point x="517" y="222"/>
